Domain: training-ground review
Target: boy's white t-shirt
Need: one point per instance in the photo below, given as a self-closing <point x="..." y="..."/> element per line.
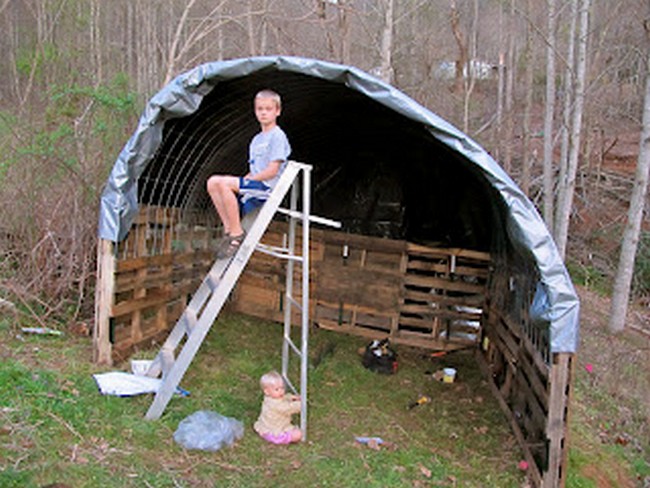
<point x="266" y="147"/>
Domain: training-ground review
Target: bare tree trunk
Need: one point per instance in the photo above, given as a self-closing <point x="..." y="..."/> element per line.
<point x="129" y="42"/>
<point x="344" y="30"/>
<point x="625" y="270"/>
<point x="568" y="188"/>
<point x="172" y="54"/>
<point x="528" y="107"/>
<point x="509" y="91"/>
<point x="95" y="40"/>
<point x="470" y="79"/>
<point x="264" y="27"/>
<point x="498" y="143"/>
<point x="387" y="72"/>
<point x="462" y="62"/>
<point x="548" y="115"/>
<point x="568" y="93"/>
<point x="464" y="77"/>
<point x="250" y="28"/>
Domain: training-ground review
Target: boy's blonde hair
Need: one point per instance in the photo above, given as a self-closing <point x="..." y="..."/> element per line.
<point x="271" y="378"/>
<point x="270" y="94"/>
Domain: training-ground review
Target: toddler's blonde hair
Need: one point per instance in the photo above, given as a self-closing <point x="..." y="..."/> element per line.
<point x="271" y="378"/>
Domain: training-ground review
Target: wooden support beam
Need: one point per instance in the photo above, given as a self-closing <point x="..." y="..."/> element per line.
<point x="557" y="429"/>
<point x="104" y="297"/>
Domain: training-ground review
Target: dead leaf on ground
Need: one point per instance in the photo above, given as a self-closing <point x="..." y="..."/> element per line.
<point x="425" y="471"/>
<point x="481" y="430"/>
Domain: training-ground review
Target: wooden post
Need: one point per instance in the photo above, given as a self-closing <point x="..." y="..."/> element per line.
<point x="139" y="291"/>
<point x="557" y="429"/>
<point x="104" y="299"/>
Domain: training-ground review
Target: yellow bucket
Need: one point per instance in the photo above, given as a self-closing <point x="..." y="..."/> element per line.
<point x="449" y="375"/>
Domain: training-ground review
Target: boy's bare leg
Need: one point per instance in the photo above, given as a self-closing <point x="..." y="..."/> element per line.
<point x="223" y="191"/>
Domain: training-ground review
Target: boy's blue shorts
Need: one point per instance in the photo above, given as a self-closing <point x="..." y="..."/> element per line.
<point x="252" y="194"/>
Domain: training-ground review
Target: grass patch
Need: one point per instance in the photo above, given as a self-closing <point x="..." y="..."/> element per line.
<point x="56" y="427"/>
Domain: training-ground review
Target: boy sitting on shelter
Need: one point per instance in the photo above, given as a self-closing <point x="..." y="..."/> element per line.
<point x="268" y="153"/>
<point x="274" y="422"/>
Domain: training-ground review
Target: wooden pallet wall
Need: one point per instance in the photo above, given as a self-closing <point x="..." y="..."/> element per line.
<point x="154" y="272"/>
<point x="533" y="393"/>
<point x="375" y="287"/>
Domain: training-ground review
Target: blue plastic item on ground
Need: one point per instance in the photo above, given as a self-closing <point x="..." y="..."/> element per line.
<point x="208" y="431"/>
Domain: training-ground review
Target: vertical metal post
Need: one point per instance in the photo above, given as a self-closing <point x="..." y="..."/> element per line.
<point x="304" y="346"/>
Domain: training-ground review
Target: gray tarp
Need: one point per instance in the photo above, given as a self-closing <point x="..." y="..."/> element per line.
<point x="556" y="302"/>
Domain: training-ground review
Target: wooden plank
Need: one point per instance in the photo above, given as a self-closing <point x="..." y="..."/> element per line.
<point x="420" y="250"/>
<point x="380" y="261"/>
<point x="364" y="242"/>
<point x="443" y="268"/>
<point x="427" y="266"/>
<point x="443" y="284"/>
<point x="497" y="341"/>
<point x="422" y="323"/>
<point x="373" y="320"/>
<point x="359" y="287"/>
<point x="336" y="306"/>
<point x="400" y="338"/>
<point x="136" y="263"/>
<point x="443" y="313"/>
<point x="104" y="298"/>
<point x="460" y="300"/>
<point x="338" y="315"/>
<point x="157" y="279"/>
<point x="349" y="329"/>
<point x="159" y="260"/>
<point x="153" y="299"/>
<point x="506" y="338"/>
<point x="407" y="338"/>
<point x="557" y="428"/>
<point x="534" y="378"/>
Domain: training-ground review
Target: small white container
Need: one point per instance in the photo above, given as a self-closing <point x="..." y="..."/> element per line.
<point x="449" y="375"/>
<point x="139" y="367"/>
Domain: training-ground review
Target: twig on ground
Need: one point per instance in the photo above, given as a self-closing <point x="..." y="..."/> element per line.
<point x="66" y="425"/>
<point x="639" y="329"/>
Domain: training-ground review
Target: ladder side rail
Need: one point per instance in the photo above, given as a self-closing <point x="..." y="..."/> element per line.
<point x="219" y="296"/>
<point x="304" y="358"/>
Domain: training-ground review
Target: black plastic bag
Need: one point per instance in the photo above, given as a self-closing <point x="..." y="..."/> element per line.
<point x="380" y="357"/>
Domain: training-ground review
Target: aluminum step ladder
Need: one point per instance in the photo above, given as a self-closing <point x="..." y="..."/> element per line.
<point x="205" y="305"/>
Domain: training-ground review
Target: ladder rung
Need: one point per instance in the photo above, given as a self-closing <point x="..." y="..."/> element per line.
<point x="167" y="360"/>
<point x="312" y="218"/>
<point x="293" y="346"/>
<point x="212" y="281"/>
<point x="278" y="252"/>
<point x="294" y="302"/>
<point x="190" y="320"/>
<point x="290" y="384"/>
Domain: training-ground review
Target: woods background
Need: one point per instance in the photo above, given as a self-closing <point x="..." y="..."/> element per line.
<point x="553" y="89"/>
